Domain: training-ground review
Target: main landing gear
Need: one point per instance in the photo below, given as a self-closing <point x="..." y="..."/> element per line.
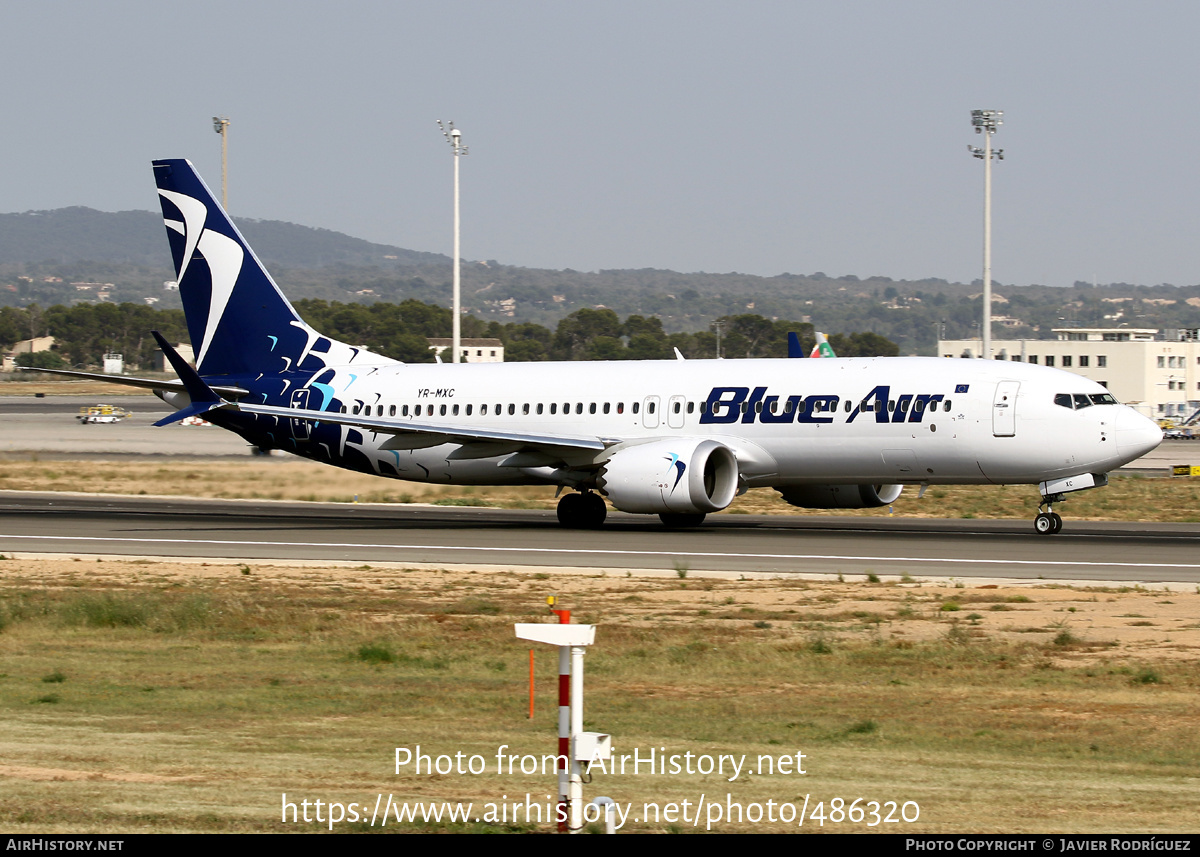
<point x="1049" y="522"/>
<point x="582" y="511"/>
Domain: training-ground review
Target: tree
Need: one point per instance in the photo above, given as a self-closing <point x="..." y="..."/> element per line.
<point x="575" y="333"/>
<point x="41" y="360"/>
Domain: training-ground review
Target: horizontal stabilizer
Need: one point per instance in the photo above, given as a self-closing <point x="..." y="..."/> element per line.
<point x="203" y="397"/>
<point x="227" y="391"/>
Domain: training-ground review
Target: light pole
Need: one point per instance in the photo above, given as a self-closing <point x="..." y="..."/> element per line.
<point x="221" y="126"/>
<point x="717" y="325"/>
<point x="986" y="122"/>
<point x="454" y="138"/>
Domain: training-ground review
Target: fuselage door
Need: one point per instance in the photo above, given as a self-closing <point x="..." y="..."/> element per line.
<point x="650" y="412"/>
<point x="675" y="411"/>
<point x="1004" y="409"/>
<point x="300" y="428"/>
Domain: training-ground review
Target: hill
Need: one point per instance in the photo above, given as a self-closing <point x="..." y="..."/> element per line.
<point x="79" y="255"/>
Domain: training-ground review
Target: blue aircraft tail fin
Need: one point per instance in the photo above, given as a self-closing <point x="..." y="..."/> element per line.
<point x="238" y="319"/>
<point x="795" y="349"/>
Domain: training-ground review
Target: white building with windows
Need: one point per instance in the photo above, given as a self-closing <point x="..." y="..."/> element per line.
<point x="1155" y="371"/>
<point x="473" y="350"/>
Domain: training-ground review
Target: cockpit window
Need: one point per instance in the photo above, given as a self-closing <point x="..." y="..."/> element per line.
<point x="1078" y="401"/>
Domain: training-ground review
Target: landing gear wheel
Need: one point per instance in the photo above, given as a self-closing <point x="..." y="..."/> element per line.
<point x="681" y="520"/>
<point x="582" y="511"/>
<point x="1057" y="521"/>
<point x="594" y="511"/>
<point x="570" y="510"/>
<point x="1044" y="524"/>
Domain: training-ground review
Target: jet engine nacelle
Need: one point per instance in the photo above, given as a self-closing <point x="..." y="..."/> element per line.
<point x="840" y="496"/>
<point x="686" y="476"/>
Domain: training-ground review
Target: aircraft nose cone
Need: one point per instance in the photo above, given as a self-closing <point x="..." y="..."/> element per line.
<point x="1135" y="434"/>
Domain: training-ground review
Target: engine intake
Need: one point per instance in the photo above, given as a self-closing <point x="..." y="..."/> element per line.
<point x="684" y="475"/>
<point x="840" y="496"/>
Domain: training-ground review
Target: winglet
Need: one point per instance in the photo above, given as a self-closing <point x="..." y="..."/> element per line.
<point x="795" y="349"/>
<point x="204" y="399"/>
<point x="679" y="355"/>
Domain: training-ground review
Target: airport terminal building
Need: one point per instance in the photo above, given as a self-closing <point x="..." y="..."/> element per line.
<point x="1155" y="371"/>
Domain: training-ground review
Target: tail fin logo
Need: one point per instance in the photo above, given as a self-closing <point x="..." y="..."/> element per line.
<point x="223" y="255"/>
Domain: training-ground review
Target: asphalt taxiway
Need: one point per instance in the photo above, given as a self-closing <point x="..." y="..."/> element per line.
<point x="165" y="527"/>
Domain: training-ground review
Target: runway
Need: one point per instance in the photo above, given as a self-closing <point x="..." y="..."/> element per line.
<point x="136" y="526"/>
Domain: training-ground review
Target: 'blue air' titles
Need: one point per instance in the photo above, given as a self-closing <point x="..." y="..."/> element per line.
<point x="746" y="405"/>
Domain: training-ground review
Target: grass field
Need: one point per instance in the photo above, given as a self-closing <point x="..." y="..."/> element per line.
<point x="192" y="697"/>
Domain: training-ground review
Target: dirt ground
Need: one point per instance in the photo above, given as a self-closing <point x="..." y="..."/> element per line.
<point x="1136" y="623"/>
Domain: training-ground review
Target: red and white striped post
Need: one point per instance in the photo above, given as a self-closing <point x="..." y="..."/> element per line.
<point x="572" y="641"/>
<point x="564" y="725"/>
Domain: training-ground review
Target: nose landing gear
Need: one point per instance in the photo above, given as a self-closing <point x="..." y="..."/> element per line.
<point x="1049" y="522"/>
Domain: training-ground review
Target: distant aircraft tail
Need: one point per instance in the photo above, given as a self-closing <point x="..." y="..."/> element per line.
<point x="239" y="321"/>
<point x="822" y="348"/>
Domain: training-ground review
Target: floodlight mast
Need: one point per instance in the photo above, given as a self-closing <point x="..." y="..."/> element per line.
<point x="986" y="122"/>
<point x="221" y="126"/>
<point x="454" y="138"/>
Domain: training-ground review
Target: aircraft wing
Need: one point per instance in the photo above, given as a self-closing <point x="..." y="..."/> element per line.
<point x="442" y="432"/>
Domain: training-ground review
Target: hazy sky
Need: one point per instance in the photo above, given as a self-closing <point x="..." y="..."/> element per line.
<point x="760" y="137"/>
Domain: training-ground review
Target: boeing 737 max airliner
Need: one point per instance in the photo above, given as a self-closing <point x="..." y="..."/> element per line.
<point x="676" y="438"/>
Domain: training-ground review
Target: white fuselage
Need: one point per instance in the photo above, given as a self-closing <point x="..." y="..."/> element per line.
<point x="850" y="420"/>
